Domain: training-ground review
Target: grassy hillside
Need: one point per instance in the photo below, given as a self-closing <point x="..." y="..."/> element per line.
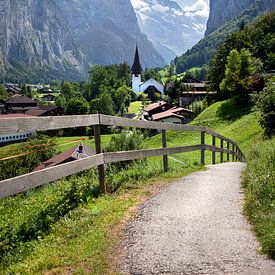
<point x="65" y="227"/>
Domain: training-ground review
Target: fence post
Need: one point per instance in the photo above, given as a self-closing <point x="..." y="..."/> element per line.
<point x="237" y="153"/>
<point x="221" y="156"/>
<point x="228" y="147"/>
<point x="101" y="170"/>
<point x="233" y="154"/>
<point x="213" y="152"/>
<point x="164" y="145"/>
<point x="202" y="148"/>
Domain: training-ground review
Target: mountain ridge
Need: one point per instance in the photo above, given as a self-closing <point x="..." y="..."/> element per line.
<point x="44" y="40"/>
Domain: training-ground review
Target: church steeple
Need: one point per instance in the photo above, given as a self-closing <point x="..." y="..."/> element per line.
<point x="136" y="68"/>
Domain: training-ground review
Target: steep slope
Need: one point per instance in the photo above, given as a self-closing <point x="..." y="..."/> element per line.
<point x="108" y="31"/>
<point x="203" y="51"/>
<point x="172" y="29"/>
<point x="223" y="10"/>
<point x="35" y="42"/>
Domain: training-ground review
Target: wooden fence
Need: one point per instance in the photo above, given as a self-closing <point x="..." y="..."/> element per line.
<point x="25" y="182"/>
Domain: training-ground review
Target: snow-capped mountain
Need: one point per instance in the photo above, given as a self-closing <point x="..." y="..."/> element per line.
<point x="172" y="26"/>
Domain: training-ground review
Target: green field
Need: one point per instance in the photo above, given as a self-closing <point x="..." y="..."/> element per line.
<point x="65" y="227"/>
<point x="134" y="107"/>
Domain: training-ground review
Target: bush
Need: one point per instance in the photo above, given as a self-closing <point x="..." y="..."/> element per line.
<point x="259" y="179"/>
<point x="26" y="163"/>
<point x="265" y="103"/>
<point x="29" y="216"/>
<point x="126" y="141"/>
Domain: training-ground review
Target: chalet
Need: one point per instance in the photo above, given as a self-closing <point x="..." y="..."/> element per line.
<point x="48" y="98"/>
<point x="155" y="108"/>
<point x="168" y="117"/>
<point x="19" y="104"/>
<point x="12" y="89"/>
<point x="177" y="115"/>
<point x="78" y="152"/>
<point x="46" y="111"/>
<point x="45" y="90"/>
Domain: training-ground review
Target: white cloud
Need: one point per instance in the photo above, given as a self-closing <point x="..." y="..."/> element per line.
<point x="198" y="8"/>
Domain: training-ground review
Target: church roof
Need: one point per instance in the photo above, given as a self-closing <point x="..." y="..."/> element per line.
<point x="136" y="68"/>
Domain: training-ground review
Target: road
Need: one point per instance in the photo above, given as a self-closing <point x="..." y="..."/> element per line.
<point x="195" y="226"/>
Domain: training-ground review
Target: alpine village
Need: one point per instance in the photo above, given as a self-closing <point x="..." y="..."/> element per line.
<point x="137" y="137"/>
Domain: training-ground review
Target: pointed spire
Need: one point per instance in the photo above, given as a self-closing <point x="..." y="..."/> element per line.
<point x="136" y="68"/>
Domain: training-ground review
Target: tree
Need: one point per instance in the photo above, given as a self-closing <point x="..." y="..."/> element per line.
<point x="61" y="101"/>
<point x="122" y="99"/>
<point x="265" y="103"/>
<point x="70" y="90"/>
<point x="77" y="106"/>
<point x="103" y="104"/>
<point x="3" y="93"/>
<point x="239" y="68"/>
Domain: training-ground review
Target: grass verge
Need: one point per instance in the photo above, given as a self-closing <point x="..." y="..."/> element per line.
<point x="259" y="183"/>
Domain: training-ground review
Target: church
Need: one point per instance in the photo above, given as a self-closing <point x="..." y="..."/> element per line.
<point x="137" y="85"/>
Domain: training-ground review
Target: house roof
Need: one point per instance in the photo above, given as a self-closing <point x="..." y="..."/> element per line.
<point x="154" y="106"/>
<point x="136" y="68"/>
<point x="40" y="110"/>
<point x="190" y="79"/>
<point x="171" y="112"/>
<point x="36" y="112"/>
<point x="69" y="155"/>
<point x="20" y="99"/>
<point x="164" y="115"/>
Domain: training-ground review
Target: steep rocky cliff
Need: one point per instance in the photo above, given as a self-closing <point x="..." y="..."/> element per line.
<point x="50" y="39"/>
<point x="107" y="31"/>
<point x="223" y="10"/>
<point x="35" y="41"/>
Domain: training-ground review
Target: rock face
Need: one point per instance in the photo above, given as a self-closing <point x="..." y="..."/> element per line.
<point x="34" y="35"/>
<point x="224" y="10"/>
<point x="107" y="31"/>
<point x="172" y="28"/>
<point x="45" y="39"/>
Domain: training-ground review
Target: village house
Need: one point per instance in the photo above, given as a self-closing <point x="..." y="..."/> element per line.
<point x="78" y="152"/>
<point x="162" y="111"/>
<point x="48" y="98"/>
<point x="155" y="108"/>
<point x="25" y="105"/>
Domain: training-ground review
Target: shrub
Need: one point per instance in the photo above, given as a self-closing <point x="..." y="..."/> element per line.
<point x="26" y="163"/>
<point x="265" y="103"/>
<point x="29" y="216"/>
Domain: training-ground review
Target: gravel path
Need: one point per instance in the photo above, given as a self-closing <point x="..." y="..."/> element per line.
<point x="195" y="226"/>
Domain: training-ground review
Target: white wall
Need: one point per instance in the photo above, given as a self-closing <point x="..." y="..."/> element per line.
<point x="136" y="81"/>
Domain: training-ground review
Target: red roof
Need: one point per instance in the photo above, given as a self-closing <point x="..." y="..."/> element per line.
<point x="67" y="156"/>
<point x="171" y="112"/>
<point x="14" y="115"/>
<point x="154" y="106"/>
<point x="166" y="114"/>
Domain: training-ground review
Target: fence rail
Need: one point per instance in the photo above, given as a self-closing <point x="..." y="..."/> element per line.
<point x="25" y="182"/>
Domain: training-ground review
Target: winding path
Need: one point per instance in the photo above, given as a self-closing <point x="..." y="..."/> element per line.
<point x="195" y="226"/>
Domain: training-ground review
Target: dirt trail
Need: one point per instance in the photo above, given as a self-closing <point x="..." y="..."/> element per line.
<point x="195" y="226"/>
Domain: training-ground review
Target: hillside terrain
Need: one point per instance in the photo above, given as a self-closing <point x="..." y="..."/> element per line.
<point x="66" y="227"/>
<point x="204" y="50"/>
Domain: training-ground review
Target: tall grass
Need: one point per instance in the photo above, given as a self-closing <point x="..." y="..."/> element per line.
<point x="259" y="183"/>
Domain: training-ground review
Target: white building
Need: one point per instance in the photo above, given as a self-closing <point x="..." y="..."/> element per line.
<point x="139" y="86"/>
